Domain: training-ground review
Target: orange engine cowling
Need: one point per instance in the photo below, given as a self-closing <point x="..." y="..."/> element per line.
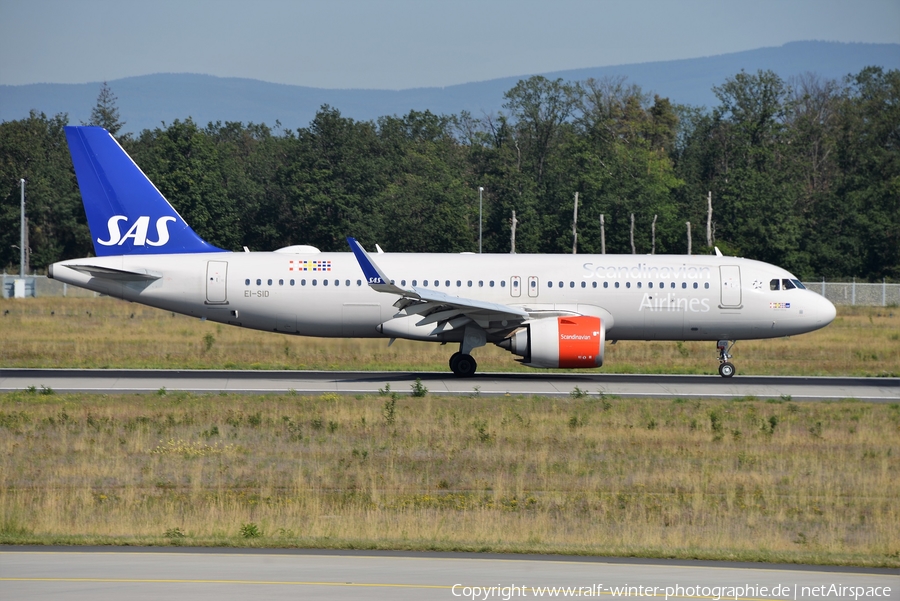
<point x="559" y="342"/>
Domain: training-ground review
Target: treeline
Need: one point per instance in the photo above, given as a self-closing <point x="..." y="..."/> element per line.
<point x="804" y="174"/>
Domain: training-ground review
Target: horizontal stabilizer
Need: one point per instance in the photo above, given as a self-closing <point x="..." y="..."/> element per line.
<point x="108" y="273"/>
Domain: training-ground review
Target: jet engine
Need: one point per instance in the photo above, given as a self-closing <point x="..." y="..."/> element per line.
<point x="559" y="342"/>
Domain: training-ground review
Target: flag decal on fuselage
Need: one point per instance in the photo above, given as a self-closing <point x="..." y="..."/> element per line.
<point x="309" y="265"/>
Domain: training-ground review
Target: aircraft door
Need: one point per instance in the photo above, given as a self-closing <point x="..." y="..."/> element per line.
<point x="533" y="286"/>
<point x="515" y="286"/>
<point x="216" y="280"/>
<point x="731" y="286"/>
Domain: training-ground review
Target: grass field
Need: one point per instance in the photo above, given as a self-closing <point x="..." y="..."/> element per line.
<point x="757" y="480"/>
<point x="107" y="333"/>
<point x="752" y="480"/>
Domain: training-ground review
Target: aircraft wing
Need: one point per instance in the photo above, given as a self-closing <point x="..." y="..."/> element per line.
<point x="437" y="307"/>
<point x="108" y="273"/>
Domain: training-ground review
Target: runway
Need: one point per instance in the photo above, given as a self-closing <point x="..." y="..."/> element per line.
<point x="370" y="382"/>
<point x="105" y="573"/>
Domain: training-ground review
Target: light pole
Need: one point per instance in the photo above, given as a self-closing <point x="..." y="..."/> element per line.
<point x="22" y="234"/>
<point x="480" y="191"/>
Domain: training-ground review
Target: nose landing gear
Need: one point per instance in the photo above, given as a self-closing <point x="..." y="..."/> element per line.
<point x="726" y="368"/>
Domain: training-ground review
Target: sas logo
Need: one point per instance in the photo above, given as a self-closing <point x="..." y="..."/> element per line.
<point x="137" y="232"/>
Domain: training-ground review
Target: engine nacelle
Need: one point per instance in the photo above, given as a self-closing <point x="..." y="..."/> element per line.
<point x="559" y="342"/>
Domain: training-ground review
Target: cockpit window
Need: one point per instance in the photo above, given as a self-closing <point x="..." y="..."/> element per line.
<point x="787" y="284"/>
<point x="799" y="284"/>
<point x="774" y="285"/>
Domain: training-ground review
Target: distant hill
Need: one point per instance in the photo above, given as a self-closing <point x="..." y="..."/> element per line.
<point x="149" y="100"/>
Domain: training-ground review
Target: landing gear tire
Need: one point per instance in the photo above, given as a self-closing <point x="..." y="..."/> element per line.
<point x="462" y="365"/>
<point x="726" y="368"/>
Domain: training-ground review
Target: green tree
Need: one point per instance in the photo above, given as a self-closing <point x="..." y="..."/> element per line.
<point x="426" y="206"/>
<point x="183" y="162"/>
<point x="869" y="184"/>
<point x="35" y="149"/>
<point x="106" y="112"/>
<point x="744" y="162"/>
<point x="623" y="166"/>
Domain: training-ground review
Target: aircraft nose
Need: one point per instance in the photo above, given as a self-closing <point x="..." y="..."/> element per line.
<point x="826" y="311"/>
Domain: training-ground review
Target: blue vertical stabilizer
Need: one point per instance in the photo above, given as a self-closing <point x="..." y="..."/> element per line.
<point x="127" y="215"/>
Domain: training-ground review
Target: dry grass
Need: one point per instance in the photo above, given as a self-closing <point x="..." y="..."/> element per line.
<point x="751" y="480"/>
<point x="106" y="333"/>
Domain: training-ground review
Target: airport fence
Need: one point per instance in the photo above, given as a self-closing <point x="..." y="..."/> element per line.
<point x="840" y="293"/>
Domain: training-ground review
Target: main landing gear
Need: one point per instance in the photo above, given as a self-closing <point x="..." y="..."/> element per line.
<point x="726" y="368"/>
<point x="463" y="365"/>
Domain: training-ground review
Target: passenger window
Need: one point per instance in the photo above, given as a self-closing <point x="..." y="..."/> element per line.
<point x="292" y="282"/>
<point x="303" y="282"/>
<point x="673" y="284"/>
<point x="347" y="283"/>
<point x="403" y="282"/>
<point x="706" y="285"/>
<point x="606" y="284"/>
<point x="414" y="283"/>
<point x="269" y="282"/>
<point x="492" y="284"/>
<point x="774" y="285"/>
<point x="359" y="282"/>
<point x="425" y="283"/>
<point x="628" y="284"/>
<point x="447" y="283"/>
<point x="650" y="285"/>
<point x="281" y="282"/>
<point x="639" y="284"/>
<point x="571" y="284"/>
<point x="696" y="286"/>
<point x="533" y="284"/>
<point x="594" y="284"/>
<point x="258" y="282"/>
<point x="787" y="284"/>
<point x="247" y="282"/>
<point x="314" y="282"/>
<point x="470" y="283"/>
<point x="584" y="284"/>
<point x="561" y="284"/>
<point x="337" y="282"/>
<point x="549" y="284"/>
<point x="324" y="282"/>
<point x="481" y="283"/>
<point x="503" y="283"/>
<point x="684" y="284"/>
<point x="617" y="284"/>
<point x="458" y="284"/>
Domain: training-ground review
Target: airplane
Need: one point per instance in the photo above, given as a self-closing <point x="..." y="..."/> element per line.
<point x="550" y="311"/>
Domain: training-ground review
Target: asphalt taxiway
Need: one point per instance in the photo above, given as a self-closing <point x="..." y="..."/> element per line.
<point x="104" y="573"/>
<point x="370" y="382"/>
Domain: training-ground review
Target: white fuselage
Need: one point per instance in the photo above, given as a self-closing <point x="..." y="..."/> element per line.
<point x="640" y="297"/>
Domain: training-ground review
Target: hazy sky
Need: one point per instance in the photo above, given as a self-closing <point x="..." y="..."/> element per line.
<point x="396" y="44"/>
